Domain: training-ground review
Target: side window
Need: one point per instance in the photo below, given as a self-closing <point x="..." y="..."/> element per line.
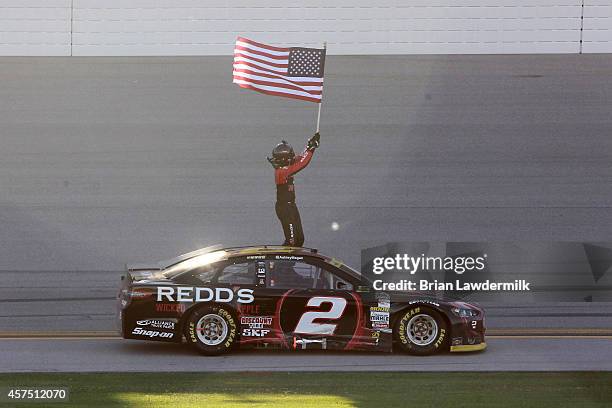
<point x="285" y="274"/>
<point x="238" y="273"/>
<point x="204" y="273"/>
<point x="329" y="280"/>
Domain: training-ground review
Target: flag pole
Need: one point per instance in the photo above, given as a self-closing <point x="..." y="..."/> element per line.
<point x="319" y="115"/>
<point x="321" y="103"/>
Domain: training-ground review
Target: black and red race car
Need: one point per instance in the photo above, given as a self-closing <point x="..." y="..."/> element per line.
<point x="284" y="297"/>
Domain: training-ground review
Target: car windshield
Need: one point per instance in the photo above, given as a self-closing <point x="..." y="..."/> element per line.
<point x="197" y="262"/>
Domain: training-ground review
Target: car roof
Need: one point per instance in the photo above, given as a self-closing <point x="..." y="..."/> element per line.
<point x="272" y="249"/>
<point x="295" y="251"/>
<point x="232" y="252"/>
<point x="240" y="251"/>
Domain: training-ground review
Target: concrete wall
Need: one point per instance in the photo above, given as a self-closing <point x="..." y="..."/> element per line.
<point x="35" y="27"/>
<point x="194" y="27"/>
<point x="597" y="34"/>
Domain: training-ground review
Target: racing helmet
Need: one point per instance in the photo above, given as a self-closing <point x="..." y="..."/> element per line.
<point x="282" y="154"/>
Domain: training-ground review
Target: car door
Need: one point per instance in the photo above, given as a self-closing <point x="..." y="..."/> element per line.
<point x="314" y="307"/>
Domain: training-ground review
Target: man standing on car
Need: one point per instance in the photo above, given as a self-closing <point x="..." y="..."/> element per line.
<point x="286" y="164"/>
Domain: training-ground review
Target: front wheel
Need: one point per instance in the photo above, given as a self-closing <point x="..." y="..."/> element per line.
<point x="421" y="331"/>
<point x="211" y="330"/>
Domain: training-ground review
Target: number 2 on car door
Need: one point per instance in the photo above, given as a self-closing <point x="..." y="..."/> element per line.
<point x="307" y="324"/>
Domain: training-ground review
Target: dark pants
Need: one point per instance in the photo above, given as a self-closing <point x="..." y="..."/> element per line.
<point x="289" y="217"/>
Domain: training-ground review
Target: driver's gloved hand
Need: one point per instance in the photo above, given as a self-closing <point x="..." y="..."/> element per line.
<point x="314" y="141"/>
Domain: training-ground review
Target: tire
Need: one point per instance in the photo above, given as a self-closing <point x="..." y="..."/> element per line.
<point x="211" y="330"/>
<point x="421" y="331"/>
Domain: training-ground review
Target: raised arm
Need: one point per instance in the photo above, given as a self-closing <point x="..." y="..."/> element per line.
<point x="303" y="159"/>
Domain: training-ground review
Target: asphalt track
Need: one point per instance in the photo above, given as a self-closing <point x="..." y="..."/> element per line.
<point x="99" y="355"/>
<point x="106" y="161"/>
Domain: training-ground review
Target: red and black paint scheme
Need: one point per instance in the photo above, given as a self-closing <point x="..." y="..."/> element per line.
<point x="285" y="297"/>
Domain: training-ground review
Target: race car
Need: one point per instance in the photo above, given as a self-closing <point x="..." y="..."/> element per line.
<point x="285" y="297"/>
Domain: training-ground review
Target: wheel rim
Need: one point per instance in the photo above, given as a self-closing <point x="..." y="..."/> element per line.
<point x="211" y="329"/>
<point x="422" y="330"/>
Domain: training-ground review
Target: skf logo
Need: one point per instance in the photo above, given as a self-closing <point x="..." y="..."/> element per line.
<point x="255" y="332"/>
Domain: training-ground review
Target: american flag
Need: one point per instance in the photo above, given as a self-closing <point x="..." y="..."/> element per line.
<point x="290" y="72"/>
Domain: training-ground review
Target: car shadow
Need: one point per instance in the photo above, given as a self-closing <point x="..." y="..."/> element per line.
<point x="160" y="348"/>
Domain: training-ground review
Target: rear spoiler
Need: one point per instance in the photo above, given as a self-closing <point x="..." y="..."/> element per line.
<point x="170" y="262"/>
<point x="140" y="271"/>
<point x="142" y="267"/>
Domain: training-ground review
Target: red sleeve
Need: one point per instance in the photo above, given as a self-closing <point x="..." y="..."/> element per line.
<point x="300" y="162"/>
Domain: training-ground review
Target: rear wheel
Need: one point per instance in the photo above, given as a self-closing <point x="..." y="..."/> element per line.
<point x="421" y="331"/>
<point x="211" y="330"/>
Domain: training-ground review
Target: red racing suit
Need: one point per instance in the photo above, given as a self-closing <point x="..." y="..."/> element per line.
<point x="286" y="209"/>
